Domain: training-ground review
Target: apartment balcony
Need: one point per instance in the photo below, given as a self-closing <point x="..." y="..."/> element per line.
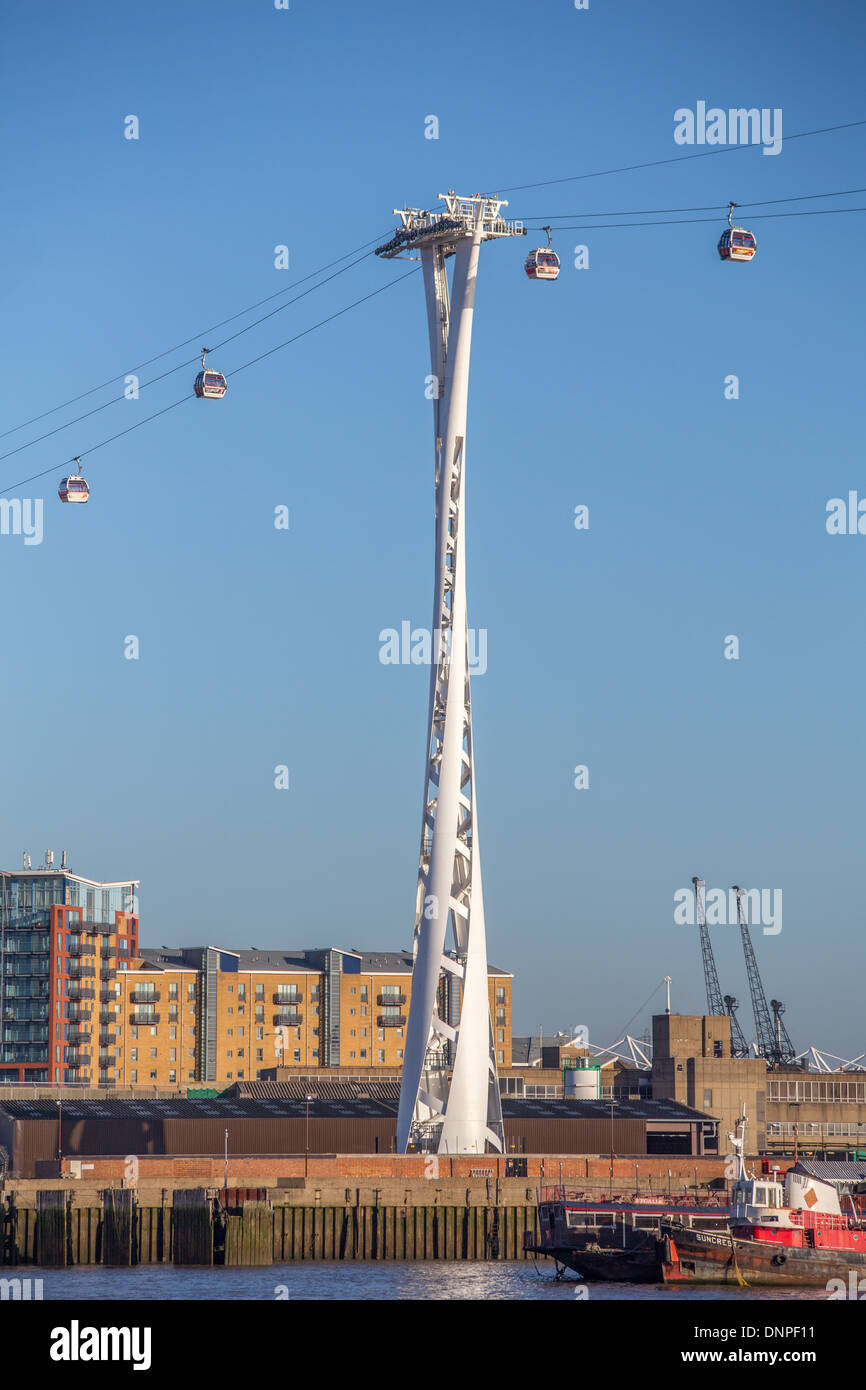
<point x="288" y="1000"/>
<point x="290" y="1017"/>
<point x="107" y="996"/>
<point x="77" y="1011"/>
<point x="76" y="1057"/>
<point x="80" y="948"/>
<point x="97" y="928"/>
<point x="82" y="972"/>
<point x="109" y="951"/>
<point x="143" y="1020"/>
<point x="107" y="1037"/>
<point x="81" y="991"/>
<point x="108" y="972"/>
<point x="105" y="1063"/>
<point x="394" y="999"/>
<point x="77" y="1034"/>
<point x="391" y="1021"/>
<point x="144" y="996"/>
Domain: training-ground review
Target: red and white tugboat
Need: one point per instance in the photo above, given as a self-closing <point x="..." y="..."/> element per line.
<point x="791" y="1233"/>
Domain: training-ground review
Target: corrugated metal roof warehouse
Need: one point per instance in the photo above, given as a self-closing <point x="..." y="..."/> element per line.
<point x="105" y="1127"/>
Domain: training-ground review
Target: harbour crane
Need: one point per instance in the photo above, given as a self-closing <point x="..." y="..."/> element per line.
<point x="774" y="1044"/>
<point x="716" y="1005"/>
<point x="739" y="1046"/>
<point x="711" y="978"/>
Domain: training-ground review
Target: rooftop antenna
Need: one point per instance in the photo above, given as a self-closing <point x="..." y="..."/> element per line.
<point x="667" y="994"/>
<point x="63" y="859"/>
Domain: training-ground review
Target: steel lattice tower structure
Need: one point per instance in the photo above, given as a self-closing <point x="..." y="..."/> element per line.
<point x="449" y="1095"/>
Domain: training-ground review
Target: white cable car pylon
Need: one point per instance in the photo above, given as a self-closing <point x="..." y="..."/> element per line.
<point x="449" y="1093"/>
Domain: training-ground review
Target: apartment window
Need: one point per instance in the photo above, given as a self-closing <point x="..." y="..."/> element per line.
<point x="501" y="1035"/>
<point x="230" y="1053"/>
<point x="399" y="1054"/>
<point x="153" y="1031"/>
<point x="260" y="993"/>
<point x="363" y="1051"/>
<point x="297" y="1054"/>
<point x="172" y="1032"/>
<point x="134" y="1055"/>
<point x="381" y="1054"/>
<point x="231" y="1010"/>
<point x="172" y="991"/>
<point x="172" y="1011"/>
<point x="500" y="1056"/>
<point x="240" y="1032"/>
<point x="172" y="1076"/>
<point x="364" y="994"/>
<point x="260" y="1056"/>
<point x="352" y="1033"/>
<point x="500" y="994"/>
<point x="172" y="1054"/>
<point x="352" y="1012"/>
<point x="260" y="1033"/>
<point x="231" y="989"/>
<point x="190" y="1052"/>
<point x="351" y="1054"/>
<point x="315" y="1032"/>
<point x="381" y="1032"/>
<point x="133" y="1032"/>
<point x="240" y="1052"/>
<point x="363" y="1032"/>
<point x="191" y="1031"/>
<point x="241" y="1074"/>
<point x="315" y="992"/>
<point x="190" y="990"/>
<point x="230" y="1032"/>
<point x="241" y="1009"/>
<point x="191" y="1075"/>
<point x="228" y="1076"/>
<point x="133" y="1076"/>
<point x="192" y="1009"/>
<point x="353" y="990"/>
<point x="242" y="991"/>
<point x="260" y="1013"/>
<point x="153" y="1076"/>
<point x="500" y="1015"/>
<point x="708" y="1100"/>
<point x="363" y="1010"/>
<point x="153" y="1052"/>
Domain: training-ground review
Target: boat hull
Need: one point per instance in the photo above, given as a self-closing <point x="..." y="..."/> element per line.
<point x="638" y="1263"/>
<point x="716" y="1257"/>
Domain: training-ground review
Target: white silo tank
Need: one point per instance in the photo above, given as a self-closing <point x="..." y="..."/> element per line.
<point x="582" y="1082"/>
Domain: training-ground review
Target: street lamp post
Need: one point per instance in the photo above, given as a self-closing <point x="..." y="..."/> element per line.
<point x="226" y="1165"/>
<point x="59" y="1135"/>
<point x="307" y="1139"/>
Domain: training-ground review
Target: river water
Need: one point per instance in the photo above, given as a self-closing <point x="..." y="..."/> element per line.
<point x="369" y="1281"/>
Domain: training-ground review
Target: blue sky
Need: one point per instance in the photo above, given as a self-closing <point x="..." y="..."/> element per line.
<point x="258" y="647"/>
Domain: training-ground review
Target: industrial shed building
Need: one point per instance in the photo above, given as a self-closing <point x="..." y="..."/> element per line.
<point x="34" y="1131"/>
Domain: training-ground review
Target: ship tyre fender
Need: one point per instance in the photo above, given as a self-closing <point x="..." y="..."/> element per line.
<point x="779" y="1259"/>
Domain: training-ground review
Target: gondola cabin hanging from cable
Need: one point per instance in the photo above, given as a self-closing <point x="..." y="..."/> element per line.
<point x="209" y="385"/>
<point x="74" y="488"/>
<point x="543" y="263"/>
<point x="735" y="243"/>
